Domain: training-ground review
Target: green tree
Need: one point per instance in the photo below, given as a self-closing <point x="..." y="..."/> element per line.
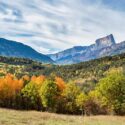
<point x="30" y="97"/>
<point x="112" y="89"/>
<point x="70" y="94"/>
<point x="81" y="100"/>
<point x="48" y="94"/>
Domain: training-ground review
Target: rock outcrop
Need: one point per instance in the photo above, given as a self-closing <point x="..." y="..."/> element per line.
<point x="105" y="46"/>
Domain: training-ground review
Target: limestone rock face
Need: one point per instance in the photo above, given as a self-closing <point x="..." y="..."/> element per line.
<point x="105" y="41"/>
<point x="105" y="46"/>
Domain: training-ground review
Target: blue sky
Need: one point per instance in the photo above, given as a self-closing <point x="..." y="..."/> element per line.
<point x="54" y="25"/>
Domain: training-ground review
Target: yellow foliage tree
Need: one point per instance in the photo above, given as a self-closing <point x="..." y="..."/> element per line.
<point x="38" y="80"/>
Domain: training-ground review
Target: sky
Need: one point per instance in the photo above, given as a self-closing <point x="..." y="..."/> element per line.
<point x="50" y="26"/>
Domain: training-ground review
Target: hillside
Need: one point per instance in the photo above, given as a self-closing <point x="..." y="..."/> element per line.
<point x="86" y="71"/>
<point x="20" y="66"/>
<point x="93" y="69"/>
<point x="15" y="49"/>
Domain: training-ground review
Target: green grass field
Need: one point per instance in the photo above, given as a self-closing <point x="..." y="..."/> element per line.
<point x="12" y="117"/>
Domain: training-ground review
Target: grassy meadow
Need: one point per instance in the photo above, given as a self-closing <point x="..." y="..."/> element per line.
<point x="13" y="117"/>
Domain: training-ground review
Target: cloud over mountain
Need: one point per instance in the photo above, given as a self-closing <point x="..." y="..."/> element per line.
<point x="54" y="25"/>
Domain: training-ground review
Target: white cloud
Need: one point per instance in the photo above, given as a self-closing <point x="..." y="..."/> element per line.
<point x="54" y="25"/>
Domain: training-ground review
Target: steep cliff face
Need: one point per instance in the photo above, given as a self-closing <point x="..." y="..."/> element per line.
<point x="67" y="54"/>
<point x="105" y="42"/>
<point x="105" y="46"/>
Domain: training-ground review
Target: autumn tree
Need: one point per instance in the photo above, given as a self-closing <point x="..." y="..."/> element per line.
<point x="112" y="89"/>
<point x="9" y="88"/>
<point x="70" y="94"/>
<point x="48" y="93"/>
<point x="30" y="97"/>
<point x="38" y="79"/>
<point x="60" y="83"/>
<point x="81" y="100"/>
<point x="26" y="79"/>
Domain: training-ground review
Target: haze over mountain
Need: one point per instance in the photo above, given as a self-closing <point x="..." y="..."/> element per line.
<point x="105" y="46"/>
<point x="15" y="49"/>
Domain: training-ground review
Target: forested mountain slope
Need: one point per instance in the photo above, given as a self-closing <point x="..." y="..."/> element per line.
<point x="15" y="49"/>
<point x="91" y="70"/>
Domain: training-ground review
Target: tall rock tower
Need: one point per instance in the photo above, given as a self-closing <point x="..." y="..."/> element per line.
<point x="105" y="41"/>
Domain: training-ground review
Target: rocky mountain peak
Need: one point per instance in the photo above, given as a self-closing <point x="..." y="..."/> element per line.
<point x="105" y="41"/>
<point x="104" y="46"/>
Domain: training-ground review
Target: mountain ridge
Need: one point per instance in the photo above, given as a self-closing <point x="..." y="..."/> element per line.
<point x="105" y="46"/>
<point x="12" y="48"/>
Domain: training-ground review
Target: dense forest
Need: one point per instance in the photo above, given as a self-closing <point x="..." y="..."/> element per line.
<point x="93" y="87"/>
<point x="85" y="74"/>
<point x="93" y="69"/>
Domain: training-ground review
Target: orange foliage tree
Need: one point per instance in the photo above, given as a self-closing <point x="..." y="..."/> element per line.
<point x="60" y="83"/>
<point x="38" y="79"/>
<point x="9" y="86"/>
<point x="26" y="78"/>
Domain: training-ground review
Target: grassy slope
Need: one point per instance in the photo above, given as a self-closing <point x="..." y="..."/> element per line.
<point x="12" y="117"/>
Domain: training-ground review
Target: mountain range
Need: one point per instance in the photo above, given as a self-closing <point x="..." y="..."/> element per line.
<point x="105" y="46"/>
<point x="11" y="48"/>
